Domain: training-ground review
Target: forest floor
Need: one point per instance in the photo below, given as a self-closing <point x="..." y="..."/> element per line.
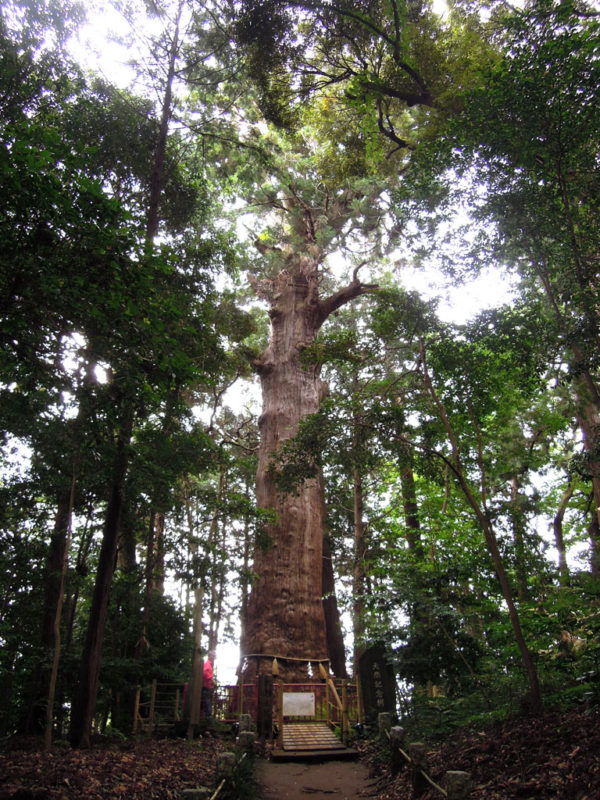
<point x="143" y="769"/>
<point x="555" y="756"/>
<point x="552" y="757"/>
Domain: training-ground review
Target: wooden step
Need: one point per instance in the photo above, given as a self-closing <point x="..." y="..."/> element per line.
<point x="310" y="741"/>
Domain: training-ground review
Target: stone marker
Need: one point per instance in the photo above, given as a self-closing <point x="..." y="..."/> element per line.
<point x="458" y="784"/>
<point x="245" y="722"/>
<point x="418" y="756"/>
<point x="397" y="737"/>
<point x="377" y="682"/>
<point x="225" y="764"/>
<point x="384" y="723"/>
<point x="246" y="740"/>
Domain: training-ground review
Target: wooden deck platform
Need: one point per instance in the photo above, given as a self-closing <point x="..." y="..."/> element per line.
<point x="303" y="741"/>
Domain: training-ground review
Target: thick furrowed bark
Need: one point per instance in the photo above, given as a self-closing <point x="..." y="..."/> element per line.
<point x="286" y="619"/>
<point x="285" y="615"/>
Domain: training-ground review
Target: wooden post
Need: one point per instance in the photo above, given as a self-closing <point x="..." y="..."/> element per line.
<point x="177" y="704"/>
<point x="418" y="756"/>
<point x="152" y="703"/>
<point x="280" y="713"/>
<point x="345" y="722"/>
<point x="327" y="702"/>
<point x="264" y="710"/>
<point x="136" y="709"/>
<point x="397" y="737"/>
<point x="359" y="702"/>
<point x="241" y="693"/>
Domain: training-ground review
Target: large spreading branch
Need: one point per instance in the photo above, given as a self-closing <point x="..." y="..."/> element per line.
<point x="345" y="295"/>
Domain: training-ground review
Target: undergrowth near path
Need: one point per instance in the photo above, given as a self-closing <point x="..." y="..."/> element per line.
<point x="555" y="756"/>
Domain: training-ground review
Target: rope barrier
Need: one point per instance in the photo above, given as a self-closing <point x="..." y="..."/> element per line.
<point x="286" y="658"/>
<point x="433" y="783"/>
<point x="424" y="774"/>
<point x="220" y="786"/>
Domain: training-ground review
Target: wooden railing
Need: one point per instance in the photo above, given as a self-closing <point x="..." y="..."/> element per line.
<point x="337" y="708"/>
<point x="162" y="704"/>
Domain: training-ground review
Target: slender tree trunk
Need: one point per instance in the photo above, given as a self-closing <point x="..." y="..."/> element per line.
<point x="245" y="578"/>
<point x="518" y="526"/>
<point x="217" y="594"/>
<point x="158" y="572"/>
<point x="217" y="553"/>
<point x="588" y="416"/>
<point x="492" y="544"/>
<point x="58" y="616"/>
<point x="154" y="524"/>
<point x="594" y="534"/>
<point x="127" y="556"/>
<point x="81" y="568"/>
<point x="586" y="392"/>
<point x="196" y="682"/>
<point x="122" y="705"/>
<point x="563" y="568"/>
<point x="422" y="619"/>
<point x="333" y="625"/>
<point x="85" y="698"/>
<point x="411" y="511"/>
<point x="490" y="539"/>
<point x="156" y="178"/>
<point x="53" y="580"/>
<point x="359" y="571"/>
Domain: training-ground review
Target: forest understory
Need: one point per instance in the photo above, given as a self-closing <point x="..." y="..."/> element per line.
<point x="554" y="756"/>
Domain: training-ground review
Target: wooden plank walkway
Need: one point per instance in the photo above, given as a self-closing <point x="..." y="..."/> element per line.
<point x="311" y="741"/>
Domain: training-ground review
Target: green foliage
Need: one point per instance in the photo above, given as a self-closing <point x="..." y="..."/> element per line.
<point x="22" y="553"/>
<point x="242" y="783"/>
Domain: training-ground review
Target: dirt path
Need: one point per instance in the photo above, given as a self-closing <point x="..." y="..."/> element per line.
<point x="329" y="780"/>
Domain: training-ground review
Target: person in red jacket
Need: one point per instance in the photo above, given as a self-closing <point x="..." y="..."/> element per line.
<point x="208" y="684"/>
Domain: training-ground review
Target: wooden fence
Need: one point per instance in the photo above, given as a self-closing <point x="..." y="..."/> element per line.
<point x="161" y="705"/>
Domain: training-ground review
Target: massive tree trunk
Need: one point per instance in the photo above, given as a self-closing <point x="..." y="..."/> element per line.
<point x="285" y="614"/>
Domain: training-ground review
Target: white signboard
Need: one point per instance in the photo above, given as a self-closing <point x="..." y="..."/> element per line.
<point x="298" y="704"/>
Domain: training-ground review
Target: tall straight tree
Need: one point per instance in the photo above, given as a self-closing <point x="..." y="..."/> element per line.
<point x="374" y="78"/>
<point x="285" y="612"/>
